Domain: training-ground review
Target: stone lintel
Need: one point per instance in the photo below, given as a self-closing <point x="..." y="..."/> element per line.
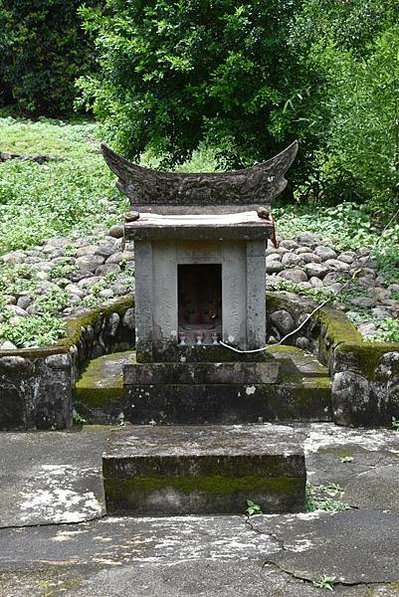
<point x="192" y="231"/>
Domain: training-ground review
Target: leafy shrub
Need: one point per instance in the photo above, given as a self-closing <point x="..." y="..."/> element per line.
<point x="175" y="74"/>
<point x="40" y="330"/>
<point x="347" y="25"/>
<point x="42" y="51"/>
<point x="364" y="132"/>
<point x="354" y="48"/>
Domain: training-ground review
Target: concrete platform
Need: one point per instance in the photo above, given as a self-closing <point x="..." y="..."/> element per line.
<point x="297" y="399"/>
<point x="201" y="373"/>
<point x="286" y="384"/>
<point x="200" y="470"/>
<point x="202" y="556"/>
<point x="51" y="477"/>
<point x="289" y="385"/>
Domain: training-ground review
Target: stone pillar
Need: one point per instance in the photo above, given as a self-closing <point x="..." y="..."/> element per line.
<point x="256" y="287"/>
<point x="144" y="298"/>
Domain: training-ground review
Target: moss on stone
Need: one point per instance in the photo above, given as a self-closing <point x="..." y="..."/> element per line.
<point x="305" y="363"/>
<point x="350" y="351"/>
<point x="101" y="381"/>
<point x="213" y="484"/>
<point x="338" y="326"/>
<point x="74" y="325"/>
<point x="363" y="358"/>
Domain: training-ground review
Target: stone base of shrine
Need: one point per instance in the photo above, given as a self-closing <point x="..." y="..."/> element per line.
<point x="150" y="470"/>
<point x="224" y="393"/>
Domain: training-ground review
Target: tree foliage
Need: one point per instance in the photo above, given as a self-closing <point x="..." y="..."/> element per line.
<point x="354" y="46"/>
<point x="364" y="134"/>
<point x="43" y="50"/>
<point x="177" y="73"/>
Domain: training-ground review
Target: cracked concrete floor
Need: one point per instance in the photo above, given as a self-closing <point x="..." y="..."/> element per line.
<point x="58" y="476"/>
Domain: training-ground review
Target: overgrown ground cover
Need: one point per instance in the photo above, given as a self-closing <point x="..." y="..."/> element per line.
<point x="77" y="196"/>
<point x="56" y="198"/>
<point x="349" y="227"/>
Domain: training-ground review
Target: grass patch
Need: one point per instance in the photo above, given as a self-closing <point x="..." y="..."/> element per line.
<point x="59" y="198"/>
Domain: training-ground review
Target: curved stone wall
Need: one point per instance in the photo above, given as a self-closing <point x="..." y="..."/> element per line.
<point x="36" y="384"/>
<point x="365" y="375"/>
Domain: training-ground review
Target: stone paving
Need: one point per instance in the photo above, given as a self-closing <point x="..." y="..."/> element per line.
<point x="269" y="555"/>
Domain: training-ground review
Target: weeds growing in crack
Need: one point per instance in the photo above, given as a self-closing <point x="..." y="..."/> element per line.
<point x="326" y="582"/>
<point x="324" y="497"/>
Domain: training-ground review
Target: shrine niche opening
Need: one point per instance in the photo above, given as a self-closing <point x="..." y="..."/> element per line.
<point x="199" y="303"/>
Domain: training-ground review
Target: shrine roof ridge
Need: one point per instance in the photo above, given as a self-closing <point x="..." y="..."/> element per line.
<point x="257" y="185"/>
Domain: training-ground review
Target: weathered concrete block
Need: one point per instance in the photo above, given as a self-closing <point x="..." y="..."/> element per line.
<point x="186" y="404"/>
<point x="203" y="470"/>
<point x="201" y="373"/>
<point x="99" y="390"/>
<point x="15" y="392"/>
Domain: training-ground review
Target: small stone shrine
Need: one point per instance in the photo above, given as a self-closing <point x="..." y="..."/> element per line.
<point x="200" y="271"/>
<point x="200" y="243"/>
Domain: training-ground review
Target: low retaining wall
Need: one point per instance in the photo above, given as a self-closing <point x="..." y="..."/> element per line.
<point x="365" y="375"/>
<point x="36" y="384"/>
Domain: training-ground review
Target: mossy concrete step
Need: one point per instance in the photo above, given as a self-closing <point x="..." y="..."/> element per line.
<point x="290" y="385"/>
<point x="201" y="373"/>
<point x="293" y="399"/>
<point x="99" y="390"/>
<point x="150" y="470"/>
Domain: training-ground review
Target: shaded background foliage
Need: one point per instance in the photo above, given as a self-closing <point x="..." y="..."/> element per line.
<point x="43" y="49"/>
<point x="175" y="74"/>
<point x="237" y="80"/>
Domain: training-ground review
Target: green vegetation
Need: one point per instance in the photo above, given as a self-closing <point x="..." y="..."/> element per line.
<point x="349" y="225"/>
<point x="44" y="327"/>
<point x="42" y="51"/>
<point x="252" y="509"/>
<point x="388" y="331"/>
<point x="70" y="197"/>
<point x="324" y="497"/>
<point x="326" y="582"/>
<point x="395" y="423"/>
<point x="174" y="75"/>
<point x="58" y="198"/>
<point x="25" y="332"/>
<point x="231" y="82"/>
<point x="353" y="47"/>
<point x="77" y="418"/>
<point x="346" y="459"/>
